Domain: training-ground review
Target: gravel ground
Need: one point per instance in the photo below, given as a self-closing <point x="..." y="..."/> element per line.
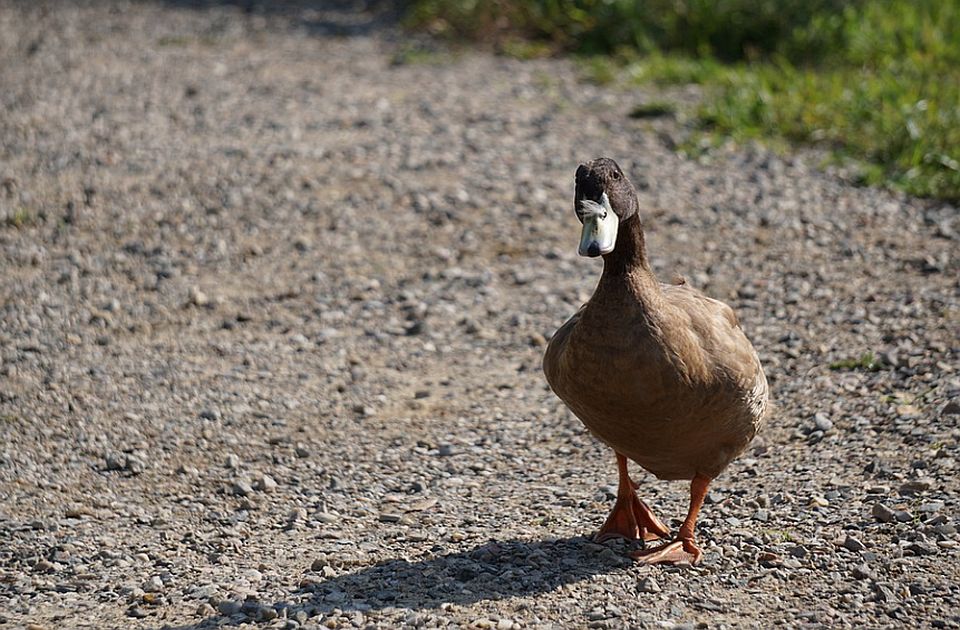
<point x="275" y="289"/>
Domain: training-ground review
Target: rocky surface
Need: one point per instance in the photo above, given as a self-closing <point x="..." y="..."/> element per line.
<point x="275" y="287"/>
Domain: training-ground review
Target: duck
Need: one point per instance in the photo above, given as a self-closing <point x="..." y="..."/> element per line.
<point x="661" y="373"/>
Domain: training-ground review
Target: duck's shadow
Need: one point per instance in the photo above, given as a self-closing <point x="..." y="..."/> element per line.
<point x="494" y="570"/>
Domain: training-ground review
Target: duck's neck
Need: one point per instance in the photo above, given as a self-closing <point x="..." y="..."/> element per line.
<point x="628" y="293"/>
<point x="629" y="255"/>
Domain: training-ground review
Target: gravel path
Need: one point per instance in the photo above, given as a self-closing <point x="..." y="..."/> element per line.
<point x="273" y="298"/>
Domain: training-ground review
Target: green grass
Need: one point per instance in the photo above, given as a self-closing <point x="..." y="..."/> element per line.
<point x="867" y="362"/>
<point x="877" y="82"/>
<point x="22" y="217"/>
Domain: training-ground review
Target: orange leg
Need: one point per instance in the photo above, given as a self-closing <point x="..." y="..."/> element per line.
<point x="630" y="518"/>
<point x="683" y="549"/>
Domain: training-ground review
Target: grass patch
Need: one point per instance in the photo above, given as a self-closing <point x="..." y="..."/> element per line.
<point x="866" y="362"/>
<point x="876" y="83"/>
<point x="416" y="54"/>
<point x="21" y="217"/>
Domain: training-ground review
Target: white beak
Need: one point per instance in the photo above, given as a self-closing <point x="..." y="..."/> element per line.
<point x="600" y="223"/>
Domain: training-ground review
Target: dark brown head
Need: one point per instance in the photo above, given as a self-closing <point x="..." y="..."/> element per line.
<point x="603" y="199"/>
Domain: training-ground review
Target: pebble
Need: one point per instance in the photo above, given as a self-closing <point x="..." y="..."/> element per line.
<point x="153" y="585"/>
<point x="266" y="483"/>
<point x="649" y="585"/>
<point x="916" y="486"/>
<point x="853" y="544"/>
<point x="137" y="612"/>
<point x="822" y="423"/>
<point x="241" y="488"/>
<point x="799" y="551"/>
<point x="883" y="513"/>
<point x="861" y="572"/>
<point x="205" y="610"/>
<point x="229" y="607"/>
<point x="922" y="548"/>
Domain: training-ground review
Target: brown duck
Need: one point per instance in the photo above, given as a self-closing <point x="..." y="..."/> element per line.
<point x="661" y="373"/>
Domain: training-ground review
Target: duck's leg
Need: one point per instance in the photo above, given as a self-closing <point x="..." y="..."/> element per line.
<point x="682" y="549"/>
<point x="630" y="518"/>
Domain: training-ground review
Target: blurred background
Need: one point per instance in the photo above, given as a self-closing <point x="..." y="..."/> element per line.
<point x="873" y="81"/>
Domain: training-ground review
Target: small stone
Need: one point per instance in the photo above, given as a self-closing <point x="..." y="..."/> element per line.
<point x="799" y="552"/>
<point x="116" y="461"/>
<point x="903" y="516"/>
<point x="504" y="624"/>
<point x="232" y="462"/>
<point x="390" y="518"/>
<point x="266" y="483"/>
<point x="853" y="544"/>
<point x="319" y="563"/>
<point x="229" y="607"/>
<point x="883" y="592"/>
<point x="416" y="327"/>
<point x="45" y="566"/>
<point x="883" y="513"/>
<point x="198" y="297"/>
<point x="922" y="548"/>
<point x="205" y="610"/>
<point x="266" y="613"/>
<point x="136" y="612"/>
<point x="915" y="486"/>
<point x="241" y="488"/>
<point x="861" y="572"/>
<point x="769" y="559"/>
<point x="210" y="414"/>
<point x="445" y="450"/>
<point x="302" y="451"/>
<point x="153" y="585"/>
<point x="649" y="585"/>
<point x="821" y="422"/>
<point x="952" y="408"/>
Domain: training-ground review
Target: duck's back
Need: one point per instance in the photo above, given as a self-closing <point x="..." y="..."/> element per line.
<point x="678" y="389"/>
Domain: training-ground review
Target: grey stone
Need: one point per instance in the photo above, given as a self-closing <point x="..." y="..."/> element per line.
<point x="883" y="513"/>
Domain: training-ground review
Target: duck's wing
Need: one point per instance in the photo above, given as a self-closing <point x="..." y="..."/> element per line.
<point x="552" y="362"/>
<point x="714" y="348"/>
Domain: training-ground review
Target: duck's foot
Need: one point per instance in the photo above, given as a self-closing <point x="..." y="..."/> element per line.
<point x="679" y="551"/>
<point x="632" y="519"/>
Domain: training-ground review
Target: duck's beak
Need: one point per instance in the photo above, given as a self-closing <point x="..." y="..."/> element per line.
<point x="600" y="223"/>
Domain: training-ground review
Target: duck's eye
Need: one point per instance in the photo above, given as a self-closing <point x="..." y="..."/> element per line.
<point x="615" y="174"/>
<point x="603" y="216"/>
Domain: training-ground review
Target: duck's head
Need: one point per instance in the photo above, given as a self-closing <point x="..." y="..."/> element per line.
<point x="604" y="198"/>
